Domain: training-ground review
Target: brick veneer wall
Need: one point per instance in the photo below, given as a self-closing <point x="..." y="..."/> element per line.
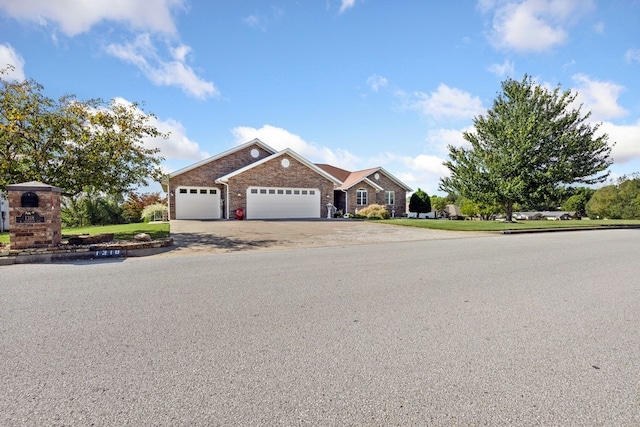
<point x="40" y="234"/>
<point x="378" y="196"/>
<point x="273" y="174"/>
<point x="205" y="175"/>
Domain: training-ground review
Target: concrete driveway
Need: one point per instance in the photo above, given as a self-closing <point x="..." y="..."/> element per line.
<point x="228" y="236"/>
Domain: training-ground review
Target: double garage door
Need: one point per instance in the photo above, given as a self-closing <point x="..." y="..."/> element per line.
<point x="197" y="203"/>
<point x="286" y="203"/>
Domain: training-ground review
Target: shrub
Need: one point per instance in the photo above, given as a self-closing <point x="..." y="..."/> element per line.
<point x="154" y="212"/>
<point x="374" y="212"/>
<point x="136" y="202"/>
<point x="419" y="203"/>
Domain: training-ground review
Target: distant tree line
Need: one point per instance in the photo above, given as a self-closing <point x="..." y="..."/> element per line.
<point x="620" y="200"/>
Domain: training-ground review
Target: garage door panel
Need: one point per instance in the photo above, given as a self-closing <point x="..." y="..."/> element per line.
<point x="197" y="203"/>
<point x="288" y="203"/>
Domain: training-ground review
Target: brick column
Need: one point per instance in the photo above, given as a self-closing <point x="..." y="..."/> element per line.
<point x="34" y="215"/>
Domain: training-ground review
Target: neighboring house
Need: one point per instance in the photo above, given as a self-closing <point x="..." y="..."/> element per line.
<point x="4" y="212"/>
<point x="453" y="212"/>
<point x="550" y="215"/>
<point x="270" y="184"/>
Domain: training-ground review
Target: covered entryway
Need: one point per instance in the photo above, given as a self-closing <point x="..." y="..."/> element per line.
<point x="197" y="203"/>
<point x="286" y="203"/>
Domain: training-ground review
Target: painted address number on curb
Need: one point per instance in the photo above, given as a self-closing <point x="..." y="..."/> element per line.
<point x="108" y="253"/>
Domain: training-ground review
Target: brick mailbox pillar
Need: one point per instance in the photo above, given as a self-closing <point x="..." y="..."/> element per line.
<point x="34" y="215"/>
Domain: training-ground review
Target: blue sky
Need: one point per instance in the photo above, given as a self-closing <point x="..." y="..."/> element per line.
<point x="353" y="83"/>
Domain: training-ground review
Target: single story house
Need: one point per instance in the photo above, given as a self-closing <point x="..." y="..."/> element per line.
<point x="550" y="215"/>
<point x="267" y="184"/>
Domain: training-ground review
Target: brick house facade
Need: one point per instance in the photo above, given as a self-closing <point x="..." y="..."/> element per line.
<point x="258" y="180"/>
<point x="206" y="172"/>
<point x="370" y="186"/>
<point x="271" y="173"/>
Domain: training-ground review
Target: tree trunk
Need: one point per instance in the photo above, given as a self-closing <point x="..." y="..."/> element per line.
<point x="509" y="212"/>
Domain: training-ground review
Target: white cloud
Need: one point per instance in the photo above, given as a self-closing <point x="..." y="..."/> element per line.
<point x="347" y="4"/>
<point x="180" y="53"/>
<point x="422" y="171"/>
<point x="533" y="25"/>
<point x="254" y="21"/>
<point x="599" y="97"/>
<point x="78" y="16"/>
<point x="632" y="55"/>
<point x="626" y="138"/>
<point x="501" y="70"/>
<point x="377" y="82"/>
<point x="8" y="56"/>
<point x="143" y="54"/>
<point x="447" y="102"/>
<point x="281" y="139"/>
<point x="262" y="20"/>
<point x="438" y="140"/>
<point x="599" y="28"/>
<point x="177" y="146"/>
<point x="429" y="164"/>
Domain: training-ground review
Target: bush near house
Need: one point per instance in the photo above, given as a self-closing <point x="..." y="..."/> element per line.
<point x="155" y="212"/>
<point x="374" y="212"/>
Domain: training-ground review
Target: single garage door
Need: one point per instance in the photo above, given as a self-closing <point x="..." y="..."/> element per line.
<point x="197" y="203"/>
<point x="272" y="203"/>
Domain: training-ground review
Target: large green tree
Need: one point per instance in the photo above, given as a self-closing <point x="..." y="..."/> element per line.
<point x="419" y="202"/>
<point x="529" y="144"/>
<point x="73" y="144"/>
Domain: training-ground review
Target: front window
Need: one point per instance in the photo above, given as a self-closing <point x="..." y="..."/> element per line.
<point x="390" y="197"/>
<point x="361" y="196"/>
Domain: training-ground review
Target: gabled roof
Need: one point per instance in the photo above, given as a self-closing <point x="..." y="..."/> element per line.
<point x="361" y="176"/>
<point x="357" y="177"/>
<point x="290" y="152"/>
<point x="255" y="141"/>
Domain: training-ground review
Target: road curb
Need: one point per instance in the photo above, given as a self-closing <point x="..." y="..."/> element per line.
<point x="553" y="230"/>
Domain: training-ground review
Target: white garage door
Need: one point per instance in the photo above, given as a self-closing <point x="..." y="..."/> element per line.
<point x="197" y="203"/>
<point x="271" y="203"/>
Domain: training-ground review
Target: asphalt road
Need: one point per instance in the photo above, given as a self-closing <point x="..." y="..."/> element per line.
<point x="539" y="329"/>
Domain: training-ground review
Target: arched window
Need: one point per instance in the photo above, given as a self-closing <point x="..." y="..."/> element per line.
<point x="361" y="196"/>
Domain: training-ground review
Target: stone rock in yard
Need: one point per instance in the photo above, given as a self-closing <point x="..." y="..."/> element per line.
<point x="142" y="237"/>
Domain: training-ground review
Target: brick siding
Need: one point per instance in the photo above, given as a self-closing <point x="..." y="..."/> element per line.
<point x="206" y="174"/>
<point x="375" y="196"/>
<point x="273" y="174"/>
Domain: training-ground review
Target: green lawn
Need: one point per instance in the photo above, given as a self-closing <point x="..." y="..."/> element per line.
<point x="121" y="231"/>
<point x="501" y="226"/>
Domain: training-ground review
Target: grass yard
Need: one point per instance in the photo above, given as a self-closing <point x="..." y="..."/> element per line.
<point x="501" y="226"/>
<point x="120" y="231"/>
